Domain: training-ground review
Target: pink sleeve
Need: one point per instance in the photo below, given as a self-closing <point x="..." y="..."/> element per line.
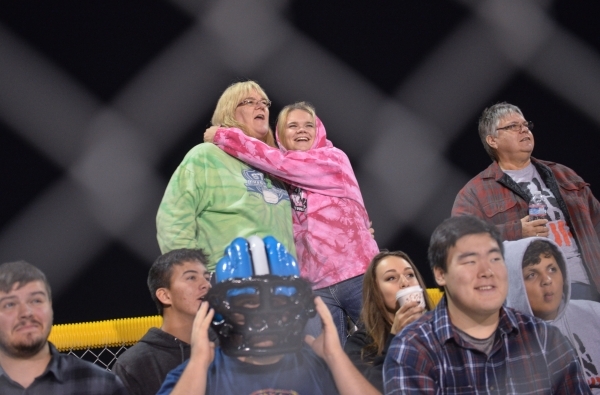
<point x="318" y="170"/>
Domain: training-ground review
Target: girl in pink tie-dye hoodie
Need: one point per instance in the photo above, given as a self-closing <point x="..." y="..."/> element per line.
<point x="331" y="225"/>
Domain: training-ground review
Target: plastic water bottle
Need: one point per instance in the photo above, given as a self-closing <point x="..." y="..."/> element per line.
<point x="537" y="207"/>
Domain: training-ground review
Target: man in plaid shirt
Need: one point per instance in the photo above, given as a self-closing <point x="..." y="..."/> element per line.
<point x="501" y="193"/>
<point x="29" y="363"/>
<point x="471" y="344"/>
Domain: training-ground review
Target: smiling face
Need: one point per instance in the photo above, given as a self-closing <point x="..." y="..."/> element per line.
<point x="509" y="145"/>
<point x="300" y="131"/>
<point x="25" y="319"/>
<point x="254" y="117"/>
<point x="190" y="281"/>
<point x="544" y="285"/>
<point x="475" y="280"/>
<point x="393" y="274"/>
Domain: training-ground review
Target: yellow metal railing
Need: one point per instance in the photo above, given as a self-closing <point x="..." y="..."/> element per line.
<point x="99" y="334"/>
<point x="435" y="295"/>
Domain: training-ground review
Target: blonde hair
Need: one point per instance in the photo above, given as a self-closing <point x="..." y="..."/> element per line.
<point x="224" y="114"/>
<point x="285" y="112"/>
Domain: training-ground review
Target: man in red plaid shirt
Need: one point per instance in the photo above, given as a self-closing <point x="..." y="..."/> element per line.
<point x="501" y="193"/>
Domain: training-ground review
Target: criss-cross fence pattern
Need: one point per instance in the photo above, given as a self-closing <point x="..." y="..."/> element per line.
<point x="99" y="100"/>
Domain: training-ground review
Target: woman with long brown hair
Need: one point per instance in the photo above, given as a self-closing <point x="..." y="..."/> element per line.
<point x="381" y="319"/>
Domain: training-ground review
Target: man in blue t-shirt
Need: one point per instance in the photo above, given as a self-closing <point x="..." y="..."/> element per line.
<point x="259" y="309"/>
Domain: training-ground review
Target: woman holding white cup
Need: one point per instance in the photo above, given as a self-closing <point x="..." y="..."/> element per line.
<point x="382" y="316"/>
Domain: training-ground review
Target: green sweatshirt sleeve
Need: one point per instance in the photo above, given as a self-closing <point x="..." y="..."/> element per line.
<point x="176" y="223"/>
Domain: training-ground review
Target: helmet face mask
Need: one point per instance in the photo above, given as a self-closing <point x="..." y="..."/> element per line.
<point x="263" y="315"/>
<point x="260" y="315"/>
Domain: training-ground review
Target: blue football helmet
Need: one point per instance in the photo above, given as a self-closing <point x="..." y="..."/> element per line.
<point x="261" y="304"/>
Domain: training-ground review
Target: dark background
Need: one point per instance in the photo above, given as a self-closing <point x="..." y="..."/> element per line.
<point x="100" y="101"/>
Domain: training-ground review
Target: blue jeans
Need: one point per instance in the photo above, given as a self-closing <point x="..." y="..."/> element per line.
<point x="344" y="300"/>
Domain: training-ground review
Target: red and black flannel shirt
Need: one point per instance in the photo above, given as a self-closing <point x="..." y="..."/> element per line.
<point x="494" y="197"/>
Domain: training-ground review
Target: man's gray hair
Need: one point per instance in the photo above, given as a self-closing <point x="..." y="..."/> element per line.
<point x="488" y="122"/>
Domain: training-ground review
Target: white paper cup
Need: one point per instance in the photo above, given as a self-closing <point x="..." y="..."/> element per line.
<point x="409" y="294"/>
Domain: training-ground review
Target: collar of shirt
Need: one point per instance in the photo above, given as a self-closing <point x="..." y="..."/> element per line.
<point x="52" y="368"/>
<point x="494" y="171"/>
<point x="443" y="329"/>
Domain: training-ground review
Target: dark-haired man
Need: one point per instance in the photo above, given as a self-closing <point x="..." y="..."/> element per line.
<point x="178" y="282"/>
<point x="470" y="343"/>
<point x="29" y="364"/>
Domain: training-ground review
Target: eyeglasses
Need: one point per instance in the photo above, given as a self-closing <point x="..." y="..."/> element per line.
<point x="517" y="127"/>
<point x="254" y="103"/>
